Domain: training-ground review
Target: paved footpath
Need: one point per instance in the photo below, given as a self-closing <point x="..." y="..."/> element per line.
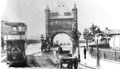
<point x="104" y="64"/>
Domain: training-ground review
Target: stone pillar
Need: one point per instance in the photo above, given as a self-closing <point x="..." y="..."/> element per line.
<point x="75" y="25"/>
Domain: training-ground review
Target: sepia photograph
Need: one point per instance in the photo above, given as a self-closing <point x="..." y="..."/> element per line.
<point x="60" y="34"/>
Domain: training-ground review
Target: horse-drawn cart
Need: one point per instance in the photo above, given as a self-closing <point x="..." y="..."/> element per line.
<point x="70" y="61"/>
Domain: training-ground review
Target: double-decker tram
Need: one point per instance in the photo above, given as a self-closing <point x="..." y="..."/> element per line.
<point x="16" y="42"/>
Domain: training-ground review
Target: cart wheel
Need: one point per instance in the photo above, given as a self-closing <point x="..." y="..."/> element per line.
<point x="60" y="65"/>
<point x="75" y="63"/>
<point x="24" y="63"/>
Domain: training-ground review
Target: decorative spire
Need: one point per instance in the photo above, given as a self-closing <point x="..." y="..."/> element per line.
<point x="47" y="8"/>
<point x="75" y="6"/>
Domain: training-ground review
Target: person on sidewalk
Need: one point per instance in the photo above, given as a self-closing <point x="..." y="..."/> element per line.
<point x="84" y="52"/>
<point x="2" y="43"/>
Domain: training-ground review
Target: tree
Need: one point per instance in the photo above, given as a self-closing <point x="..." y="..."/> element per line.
<point x="98" y="30"/>
<point x="94" y="29"/>
<point x="87" y="36"/>
<point x="75" y="34"/>
<point x="85" y="33"/>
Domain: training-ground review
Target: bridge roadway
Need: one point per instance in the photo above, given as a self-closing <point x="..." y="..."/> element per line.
<point x="37" y="60"/>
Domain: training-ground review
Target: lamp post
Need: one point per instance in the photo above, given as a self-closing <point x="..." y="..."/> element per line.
<point x="97" y="52"/>
<point x="98" y="58"/>
<point x="78" y="46"/>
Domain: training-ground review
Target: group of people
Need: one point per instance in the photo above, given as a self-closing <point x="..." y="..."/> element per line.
<point x="45" y="45"/>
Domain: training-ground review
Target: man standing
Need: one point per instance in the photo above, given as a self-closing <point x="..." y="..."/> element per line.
<point x="60" y="49"/>
<point x="84" y="52"/>
<point x="2" y="43"/>
<point x="56" y="44"/>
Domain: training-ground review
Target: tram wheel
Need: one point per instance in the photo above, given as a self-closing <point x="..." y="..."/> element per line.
<point x="19" y="64"/>
<point x="75" y="63"/>
<point x="25" y="62"/>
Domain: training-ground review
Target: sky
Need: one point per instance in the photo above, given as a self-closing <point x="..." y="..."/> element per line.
<point x="104" y="13"/>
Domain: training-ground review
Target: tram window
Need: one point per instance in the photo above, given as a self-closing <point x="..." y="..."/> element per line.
<point x="14" y="28"/>
<point x="68" y="43"/>
<point x="20" y="28"/>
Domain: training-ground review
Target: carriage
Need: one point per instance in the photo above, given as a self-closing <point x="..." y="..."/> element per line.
<point x="16" y="42"/>
<point x="68" y="58"/>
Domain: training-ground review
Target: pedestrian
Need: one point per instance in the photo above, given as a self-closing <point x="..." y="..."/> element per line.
<point x="56" y="44"/>
<point x="2" y="43"/>
<point x="91" y="50"/>
<point x="60" y="49"/>
<point x="43" y="46"/>
<point x="84" y="52"/>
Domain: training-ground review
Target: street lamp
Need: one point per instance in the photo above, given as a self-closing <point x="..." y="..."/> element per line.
<point x="78" y="46"/>
<point x="98" y="37"/>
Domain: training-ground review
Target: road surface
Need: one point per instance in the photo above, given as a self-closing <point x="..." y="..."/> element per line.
<point x="37" y="59"/>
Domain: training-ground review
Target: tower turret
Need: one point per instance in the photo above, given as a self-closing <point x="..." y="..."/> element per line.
<point x="47" y="12"/>
<point x="74" y="11"/>
<point x="47" y="16"/>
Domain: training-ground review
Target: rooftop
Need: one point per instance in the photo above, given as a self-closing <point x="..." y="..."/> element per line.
<point x="111" y="31"/>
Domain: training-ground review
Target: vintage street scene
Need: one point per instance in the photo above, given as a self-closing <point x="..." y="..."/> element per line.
<point x="60" y="34"/>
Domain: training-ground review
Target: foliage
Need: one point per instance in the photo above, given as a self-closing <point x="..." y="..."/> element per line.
<point x="90" y="33"/>
<point x="75" y="34"/>
<point x="87" y="34"/>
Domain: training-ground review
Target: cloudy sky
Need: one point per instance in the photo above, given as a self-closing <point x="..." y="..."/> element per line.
<point x="104" y="13"/>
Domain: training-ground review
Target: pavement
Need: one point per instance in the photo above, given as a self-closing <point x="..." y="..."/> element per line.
<point x="92" y="62"/>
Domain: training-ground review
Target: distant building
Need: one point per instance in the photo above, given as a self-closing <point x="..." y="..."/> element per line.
<point x="113" y="37"/>
<point x="111" y="32"/>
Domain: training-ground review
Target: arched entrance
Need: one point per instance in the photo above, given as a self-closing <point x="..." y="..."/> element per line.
<point x="65" y="21"/>
<point x="64" y="40"/>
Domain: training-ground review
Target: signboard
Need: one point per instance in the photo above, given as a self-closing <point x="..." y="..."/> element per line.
<point x="15" y="37"/>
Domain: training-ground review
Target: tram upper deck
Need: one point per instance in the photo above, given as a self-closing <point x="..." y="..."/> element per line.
<point x="15" y="31"/>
